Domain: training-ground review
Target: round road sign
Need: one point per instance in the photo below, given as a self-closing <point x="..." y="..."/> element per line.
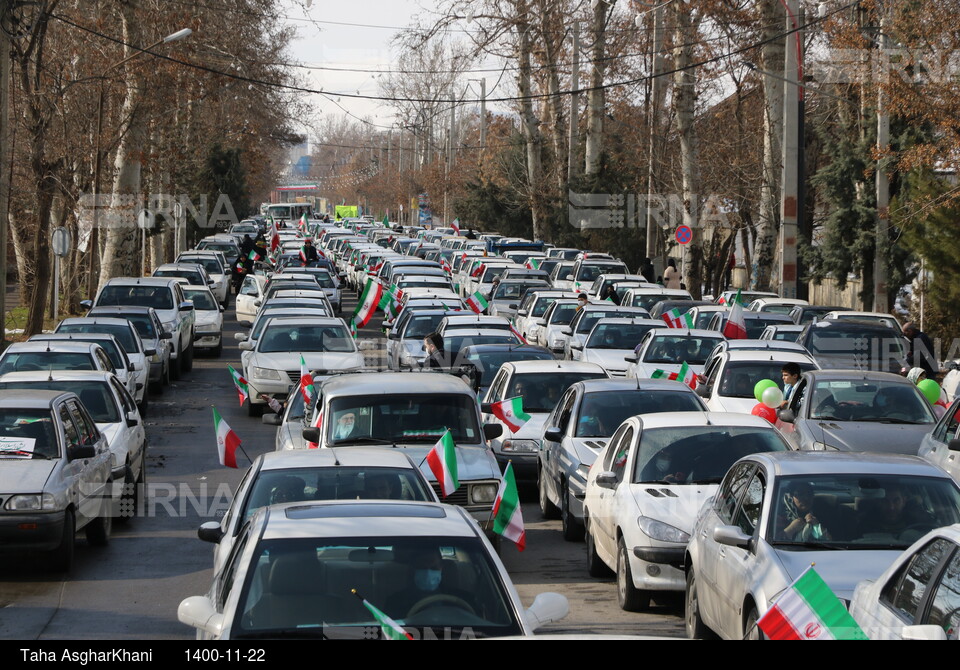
<point x="684" y="235"/>
<point x="61" y="241"/>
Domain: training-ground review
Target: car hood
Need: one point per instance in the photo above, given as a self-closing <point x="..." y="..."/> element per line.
<point x="610" y="359"/>
<point x="531" y="430"/>
<point x="588" y="448"/>
<point x="841" y="570"/>
<point x="870" y="436"/>
<point x="725" y="404"/>
<point x="646" y="370"/>
<point x="677" y="505"/>
<point x="208" y="316"/>
<point x="314" y="361"/>
<point x="24" y="475"/>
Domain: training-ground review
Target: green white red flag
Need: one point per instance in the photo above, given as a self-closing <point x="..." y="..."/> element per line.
<point x="302" y="224"/>
<point x="307" y="387"/>
<point x="533" y="264"/>
<point x="391" y="629"/>
<point x="353" y="329"/>
<point x="369" y="300"/>
<point x="809" y="610"/>
<point x="442" y="460"/>
<point x="227" y="441"/>
<point x="478" y="271"/>
<point x="736" y="326"/>
<point x="510" y="411"/>
<point x="390" y="301"/>
<point x="507" y="519"/>
<point x="675" y="319"/>
<point x="477" y="302"/>
<point x="456" y="226"/>
<point x="517" y="333"/>
<point x="686" y="375"/>
<point x="240" y="383"/>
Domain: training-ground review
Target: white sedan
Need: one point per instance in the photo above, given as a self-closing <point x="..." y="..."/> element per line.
<point x="209" y="319"/>
<point x="668" y="349"/>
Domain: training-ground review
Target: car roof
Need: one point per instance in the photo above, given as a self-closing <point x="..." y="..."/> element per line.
<point x="761" y="345"/>
<point x="96" y="320"/>
<point x="847" y="462"/>
<point x="120" y="309"/>
<point x="393" y="383"/>
<point x="523" y="367"/>
<point x="781" y="356"/>
<point x="141" y="281"/>
<point x="306" y="321"/>
<point x="858" y="375"/>
<point x="705" y="419"/>
<point x="625" y="320"/>
<point x="30" y="399"/>
<point x="621" y="384"/>
<point x="851" y="325"/>
<point x="65" y="346"/>
<point x="56" y="375"/>
<point x="503" y="346"/>
<point x="324" y="458"/>
<point x="688" y="332"/>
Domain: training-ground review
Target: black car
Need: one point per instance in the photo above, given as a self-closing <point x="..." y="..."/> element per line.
<point x="480" y="362"/>
<point x="855" y="345"/>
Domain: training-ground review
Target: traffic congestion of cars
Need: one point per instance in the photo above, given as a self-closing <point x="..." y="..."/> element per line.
<point x="685" y="459"/>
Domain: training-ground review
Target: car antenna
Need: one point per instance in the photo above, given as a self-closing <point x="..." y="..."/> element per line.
<point x="336" y="461"/>
<point x="638" y="382"/>
<point x="50" y="373"/>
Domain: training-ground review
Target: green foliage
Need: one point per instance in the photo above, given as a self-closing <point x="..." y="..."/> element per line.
<point x="223" y="173"/>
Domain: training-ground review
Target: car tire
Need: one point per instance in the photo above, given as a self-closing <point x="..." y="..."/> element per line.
<point x="61" y="558"/>
<point x="696" y="629"/>
<point x="98" y="530"/>
<point x="630" y="598"/>
<point x="595" y="566"/>
<point x="176" y="367"/>
<point x="188" y="357"/>
<point x="547" y="509"/>
<point x="571" y="529"/>
<point x="157" y="386"/>
<point x="217" y="351"/>
<point x="750" y="629"/>
<point x="226" y="300"/>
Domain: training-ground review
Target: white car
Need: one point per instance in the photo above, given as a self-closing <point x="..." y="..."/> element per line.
<point x="775" y="305"/>
<point x="212" y="262"/>
<point x="251" y="291"/>
<point x="583" y="321"/>
<point x="316" y="474"/>
<point x="209" y="319"/>
<point x="668" y="349"/>
<point x="533" y="306"/>
<point x="873" y="317"/>
<point x="916" y="598"/>
<point x="732" y="378"/>
<point x="273" y="368"/>
<point x="301" y="570"/>
<point x="647" y="486"/>
<point x="612" y="342"/>
<point x="555" y="320"/>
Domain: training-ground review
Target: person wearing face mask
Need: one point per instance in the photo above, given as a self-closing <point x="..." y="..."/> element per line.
<point x="426" y="587"/>
<point x="661" y="468"/>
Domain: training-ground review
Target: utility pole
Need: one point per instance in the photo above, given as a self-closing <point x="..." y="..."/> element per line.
<point x="792" y="145"/>
<point x="653" y="121"/>
<point x="573" y="148"/>
<point x="483" y="114"/>
<point x="882" y="244"/>
<point x="5" y="163"/>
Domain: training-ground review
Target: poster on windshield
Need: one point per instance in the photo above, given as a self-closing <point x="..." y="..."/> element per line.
<point x="21" y="447"/>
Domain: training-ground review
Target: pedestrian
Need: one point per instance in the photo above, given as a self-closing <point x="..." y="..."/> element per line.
<point x="920" y="354"/>
<point x="582" y="301"/>
<point x="436" y="356"/>
<point x="647" y="271"/>
<point x="471" y="235"/>
<point x="671" y="276"/>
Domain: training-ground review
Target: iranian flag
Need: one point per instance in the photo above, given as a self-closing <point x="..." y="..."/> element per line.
<point x="353" y="329"/>
<point x="736" y="326"/>
<point x="307" y="387"/>
<point x="477" y="302"/>
<point x="533" y="264"/>
<point x="369" y="299"/>
<point x="456" y="226"/>
<point x="674" y="319"/>
<point x="274" y="236"/>
<point x="227" y="441"/>
<point x="442" y="460"/>
<point x="510" y="411"/>
<point x="390" y="302"/>
<point x="302" y="224"/>
<point x="809" y="610"/>
<point x="303" y="255"/>
<point x="253" y="255"/>
<point x="478" y="271"/>
<point x="240" y="383"/>
<point x="507" y="519"/>
<point x="445" y="266"/>
<point x="517" y="333"/>
<point x="391" y="629"/>
<point x="685" y="376"/>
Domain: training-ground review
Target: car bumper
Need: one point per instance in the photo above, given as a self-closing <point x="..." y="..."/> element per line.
<point x="31" y="532"/>
<point x="156" y="371"/>
<point x="275" y="389"/>
<point x="650" y="576"/>
<point x="673" y="556"/>
<point x="207" y="340"/>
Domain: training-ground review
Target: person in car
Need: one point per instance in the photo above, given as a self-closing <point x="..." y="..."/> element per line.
<point x="582" y="301"/>
<point x="800" y="523"/>
<point x="610" y="294"/>
<point x="661" y="468"/>
<point x="287" y="489"/>
<point x="791" y="377"/>
<point x="893" y="514"/>
<point x="425" y="585"/>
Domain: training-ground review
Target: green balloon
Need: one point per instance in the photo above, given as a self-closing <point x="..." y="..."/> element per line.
<point x="762" y="386"/>
<point x="930" y="390"/>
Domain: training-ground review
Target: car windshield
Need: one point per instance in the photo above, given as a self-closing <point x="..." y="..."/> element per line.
<point x="699" y="454"/>
<point x="143" y="323"/>
<point x="590" y="318"/>
<point x="333" y="483"/>
<point x="808" y="314"/>
<point x="265" y="315"/>
<point x="158" y="297"/>
<point x="781" y="335"/>
<point x="589" y="272"/>
<point x="678" y="349"/>
<point x="851" y="344"/>
<point x="195" y="277"/>
<point x="541" y="305"/>
<point x="417" y="283"/>
<point x="316" y="587"/>
<point x="113" y="351"/>
<point x="602" y="412"/>
<point x="421" y="326"/>
<point x="211" y="265"/>
<point x="27" y="433"/>
<point x="507" y="291"/>
<point x="452" y="344"/>
<point x="491" y="272"/>
<point x="45" y="360"/>
<point x="563" y="314"/>
<point x="488" y="362"/>
<point x="875" y="401"/>
<point x="413" y="417"/>
<point x="617" y="335"/>
<point x="228" y="250"/>
<point x="541" y="390"/>
<point x="860" y="511"/>
<point x="95" y="395"/>
<point x="739" y="379"/>
<point x="305" y="338"/>
<point x="647" y="301"/>
<point x="202" y="299"/>
<point x="122" y="332"/>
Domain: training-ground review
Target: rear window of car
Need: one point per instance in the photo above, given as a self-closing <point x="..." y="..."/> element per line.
<point x="45" y="360"/>
<point x="158" y="297"/>
<point x="123" y="333"/>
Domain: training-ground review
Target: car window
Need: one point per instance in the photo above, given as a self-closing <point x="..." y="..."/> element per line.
<point x="42" y="360"/>
<point x="945" y="604"/>
<point x="904" y="592"/>
<point x="249" y="287"/>
<point x="158" y="297"/>
<point x="105" y="363"/>
<point x="731" y="490"/>
<point x="601" y="412"/>
<point x="88" y="431"/>
<point x="947" y="428"/>
<point x="226" y="581"/>
<point x="748" y="512"/>
<point x="27" y="433"/>
<point x="563" y="411"/>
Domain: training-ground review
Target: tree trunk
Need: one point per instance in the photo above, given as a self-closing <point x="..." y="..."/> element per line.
<point x="532" y="134"/>
<point x="684" y="100"/>
<point x="772" y="19"/>
<point x="595" y="96"/>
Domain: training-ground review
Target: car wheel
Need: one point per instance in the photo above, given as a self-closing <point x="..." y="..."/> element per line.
<point x="98" y="530"/>
<point x="61" y="558"/>
<point x="571" y="528"/>
<point x="696" y="629"/>
<point x="595" y="566"/>
<point x="128" y="499"/>
<point x="217" y="351"/>
<point x="547" y="509"/>
<point x="226" y="300"/>
<point x="188" y="357"/>
<point x="750" y="629"/>
<point x="176" y="367"/>
<point x="631" y="598"/>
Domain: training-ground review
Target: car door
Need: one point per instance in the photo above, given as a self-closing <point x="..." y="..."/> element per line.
<point x="73" y="470"/>
<point x="796" y="431"/>
<point x="720" y="513"/>
<point x="603" y="511"/>
<point x="560" y="462"/>
<point x="92" y="478"/>
<point x="135" y="435"/>
<point x="935" y="445"/>
<point x="249" y="293"/>
<point x="233" y="521"/>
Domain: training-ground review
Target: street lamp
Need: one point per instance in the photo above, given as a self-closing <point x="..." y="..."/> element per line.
<point x="95" y="232"/>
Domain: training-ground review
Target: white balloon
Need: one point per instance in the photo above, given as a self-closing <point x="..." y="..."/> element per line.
<point x="772" y="397"/>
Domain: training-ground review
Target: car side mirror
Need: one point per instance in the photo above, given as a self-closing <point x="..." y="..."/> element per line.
<point x="521" y="312"/>
<point x="257" y="303"/>
<point x="210" y="282"/>
<point x="240" y="337"/>
<point x="222" y="308"/>
<point x="540" y="322"/>
<point x="607" y="480"/>
<point x="553" y="434"/>
<point x="923" y="632"/>
<point x="546" y="608"/>
<point x="393" y="335"/>
<point x="787" y="415"/>
<point x="210" y="532"/>
<point x="566" y="331"/>
<point x="81" y="451"/>
<point x="311" y="434"/>
<point x="954" y="445"/>
<point x="131" y="367"/>
<point x="246" y="346"/>
<point x="731" y="536"/>
<point x="568" y="278"/>
<point x="149" y="352"/>
<point x="165" y="335"/>
<point x="186" y="306"/>
<point x="199" y="612"/>
<point x="271" y="419"/>
<point x="512" y="306"/>
<point x="578" y="347"/>
<point x="133" y="418"/>
<point x="86" y="304"/>
<point x="630" y="359"/>
<point x="492" y="431"/>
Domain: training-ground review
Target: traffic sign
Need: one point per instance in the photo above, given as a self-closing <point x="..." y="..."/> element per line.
<point x="684" y="235"/>
<point x="145" y="219"/>
<point x="61" y="241"/>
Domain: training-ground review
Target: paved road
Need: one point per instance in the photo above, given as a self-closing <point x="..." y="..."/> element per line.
<point x="131" y="589"/>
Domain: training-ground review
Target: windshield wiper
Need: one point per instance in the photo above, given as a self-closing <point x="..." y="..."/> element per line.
<point x="895" y="421"/>
<point x="299" y="633"/>
<point x="22" y="452"/>
<point x="708" y="480"/>
<point x="810" y="545"/>
<point x="364" y="440"/>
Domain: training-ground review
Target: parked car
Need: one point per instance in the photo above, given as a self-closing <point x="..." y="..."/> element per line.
<point x="612" y="341"/>
<point x="731" y="378"/>
<point x="157" y="343"/>
<point x="855" y="345"/>
<point x="209" y="313"/>
<point x="668" y="349"/>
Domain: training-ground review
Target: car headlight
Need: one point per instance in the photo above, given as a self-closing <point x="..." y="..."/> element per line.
<point x="520" y="445"/>
<point x="822" y="446"/>
<point x="266" y="373"/>
<point x="170" y="326"/>
<point x="557" y="344"/>
<point x="483" y="493"/>
<point x="208" y="328"/>
<point x="664" y="532"/>
<point x="533" y="328"/>
<point x="26" y="502"/>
